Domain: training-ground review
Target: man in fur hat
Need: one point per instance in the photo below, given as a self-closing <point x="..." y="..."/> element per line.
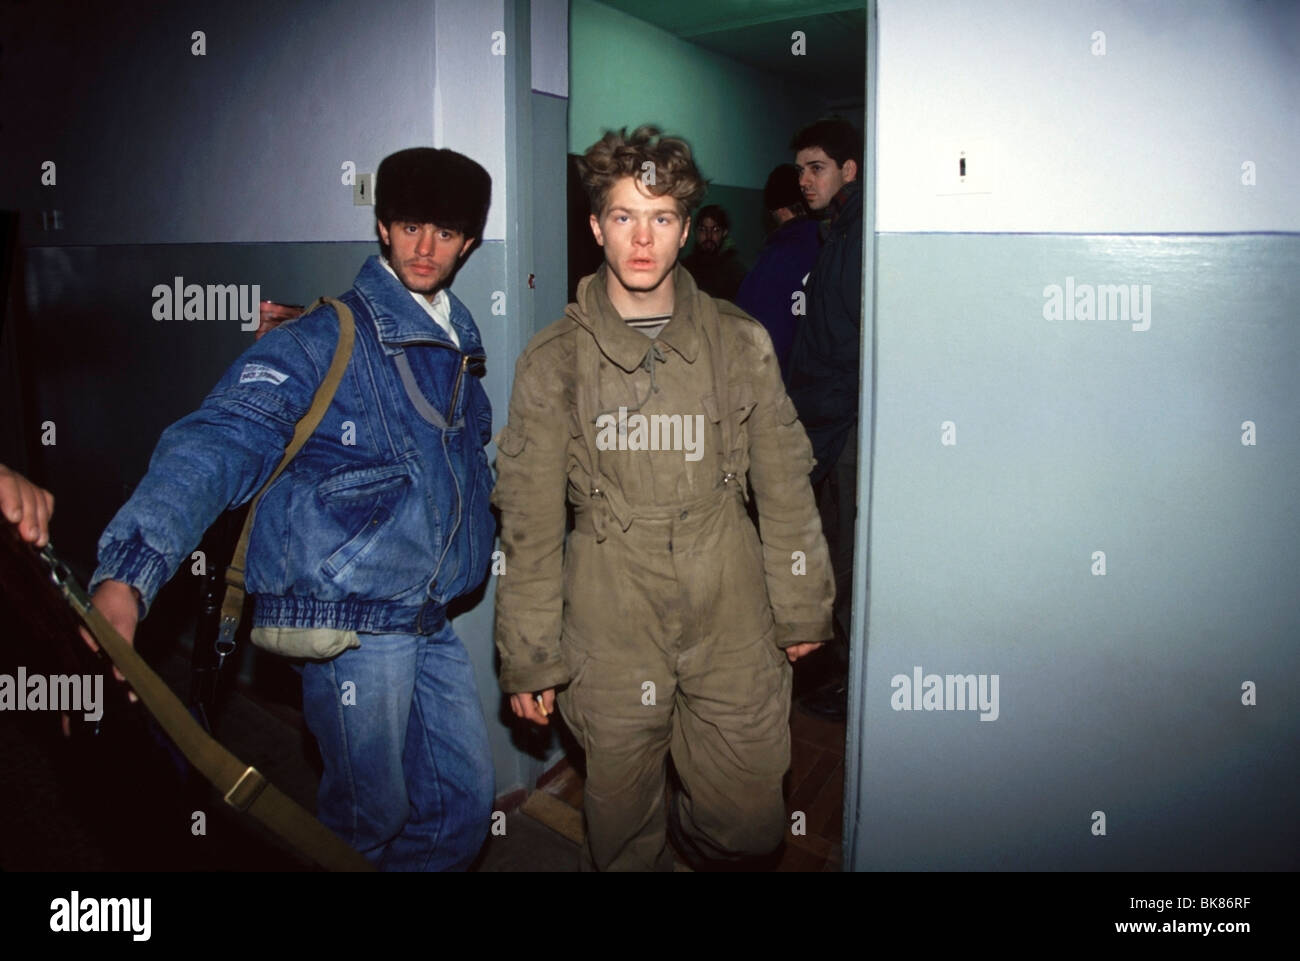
<point x="378" y="523"/>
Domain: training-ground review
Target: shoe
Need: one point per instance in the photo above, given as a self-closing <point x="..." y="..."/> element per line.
<point x="830" y="703"/>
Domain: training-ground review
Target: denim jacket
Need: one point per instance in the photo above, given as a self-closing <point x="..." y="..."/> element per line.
<point x="383" y="516"/>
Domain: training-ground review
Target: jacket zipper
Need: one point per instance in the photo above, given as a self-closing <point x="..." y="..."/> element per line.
<point x="455" y="391"/>
<point x="451" y="419"/>
<point x="460" y="375"/>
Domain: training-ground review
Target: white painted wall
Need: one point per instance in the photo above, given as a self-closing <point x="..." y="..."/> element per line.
<point x="1149" y="137"/>
<point x="245" y="143"/>
<point x="470" y="89"/>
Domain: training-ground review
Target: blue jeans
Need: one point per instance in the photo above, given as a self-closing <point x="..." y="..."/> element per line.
<point x="408" y="776"/>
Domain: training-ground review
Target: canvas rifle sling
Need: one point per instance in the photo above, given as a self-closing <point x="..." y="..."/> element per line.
<point x="240" y="785"/>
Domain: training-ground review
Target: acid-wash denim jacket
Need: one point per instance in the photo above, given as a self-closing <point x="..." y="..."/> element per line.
<point x="380" y="520"/>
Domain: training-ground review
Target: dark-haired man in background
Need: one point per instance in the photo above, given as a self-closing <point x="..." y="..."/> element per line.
<point x="716" y="268"/>
<point x="378" y="523"/>
<point x="825" y="376"/>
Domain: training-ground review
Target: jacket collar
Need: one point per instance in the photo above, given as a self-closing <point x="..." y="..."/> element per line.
<point x="399" y="319"/>
<point x="846" y="206"/>
<point x="626" y="346"/>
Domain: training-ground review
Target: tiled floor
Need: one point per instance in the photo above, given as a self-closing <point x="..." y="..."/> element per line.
<point x="815" y="786"/>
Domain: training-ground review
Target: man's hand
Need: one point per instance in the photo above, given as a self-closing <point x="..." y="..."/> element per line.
<point x="796" y="651"/>
<point x="272" y="315"/>
<point x="118" y="602"/>
<point x="525" y="706"/>
<point x="26" y="506"/>
<point x="120" y="605"/>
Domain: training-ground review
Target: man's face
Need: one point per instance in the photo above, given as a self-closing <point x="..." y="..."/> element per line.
<point x="423" y="256"/>
<point x="820" y="177"/>
<point x="641" y="234"/>
<point x="710" y="235"/>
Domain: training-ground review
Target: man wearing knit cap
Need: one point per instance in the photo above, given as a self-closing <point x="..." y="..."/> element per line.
<point x="772" y="292"/>
<point x="378" y="523"/>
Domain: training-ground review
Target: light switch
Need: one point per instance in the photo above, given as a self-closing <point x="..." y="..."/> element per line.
<point x="965" y="167"/>
<point x="363" y="190"/>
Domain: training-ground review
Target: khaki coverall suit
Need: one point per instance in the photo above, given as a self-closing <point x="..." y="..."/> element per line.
<point x="661" y="610"/>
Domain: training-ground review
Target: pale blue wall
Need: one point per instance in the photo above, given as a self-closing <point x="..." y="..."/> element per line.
<point x="1118" y="693"/>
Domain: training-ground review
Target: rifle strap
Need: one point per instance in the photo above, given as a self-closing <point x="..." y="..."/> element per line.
<point x="232" y="605"/>
<point x="240" y="785"/>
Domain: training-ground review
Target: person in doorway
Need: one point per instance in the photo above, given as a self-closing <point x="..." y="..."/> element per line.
<point x="654" y="411"/>
<point x="825" y="375"/>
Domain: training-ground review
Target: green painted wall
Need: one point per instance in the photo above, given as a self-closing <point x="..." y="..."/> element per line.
<point x="739" y="121"/>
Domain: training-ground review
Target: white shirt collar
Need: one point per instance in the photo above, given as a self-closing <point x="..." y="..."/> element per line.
<point x="439" y="309"/>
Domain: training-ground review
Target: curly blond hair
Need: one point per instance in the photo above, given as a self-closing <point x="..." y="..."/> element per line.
<point x="616" y="155"/>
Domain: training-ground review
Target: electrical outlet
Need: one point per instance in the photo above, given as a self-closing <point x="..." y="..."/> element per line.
<point x="363" y="190"/>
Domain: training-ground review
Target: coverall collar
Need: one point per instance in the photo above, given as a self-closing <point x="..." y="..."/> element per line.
<point x="626" y="346"/>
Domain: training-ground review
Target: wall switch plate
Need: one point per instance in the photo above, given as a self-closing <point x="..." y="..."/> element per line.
<point x="965" y="167"/>
<point x="363" y="190"/>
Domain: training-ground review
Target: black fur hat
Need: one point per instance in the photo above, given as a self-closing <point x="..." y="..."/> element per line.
<point x="423" y="185"/>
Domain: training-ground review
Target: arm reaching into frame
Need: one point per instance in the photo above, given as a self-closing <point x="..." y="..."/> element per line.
<point x="26" y="506"/>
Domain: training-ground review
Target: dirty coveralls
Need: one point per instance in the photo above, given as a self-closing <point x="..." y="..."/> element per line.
<point x="661" y="610"/>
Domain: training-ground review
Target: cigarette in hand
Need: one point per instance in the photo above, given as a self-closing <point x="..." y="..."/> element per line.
<point x="541" y="705"/>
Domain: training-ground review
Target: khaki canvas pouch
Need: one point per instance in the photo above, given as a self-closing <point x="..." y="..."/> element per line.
<point x="315" y="643"/>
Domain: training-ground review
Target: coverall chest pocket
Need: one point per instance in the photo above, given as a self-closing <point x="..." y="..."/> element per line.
<point x="578" y="466"/>
<point x="732" y="425"/>
<point x="360" y="508"/>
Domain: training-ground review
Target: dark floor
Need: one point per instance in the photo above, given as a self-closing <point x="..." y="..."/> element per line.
<point x="815" y="785"/>
<point x="88" y="806"/>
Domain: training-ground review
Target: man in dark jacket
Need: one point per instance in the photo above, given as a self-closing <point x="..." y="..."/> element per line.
<point x="772" y="292"/>
<point x="825" y="375"/>
<point x="716" y="268"/>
